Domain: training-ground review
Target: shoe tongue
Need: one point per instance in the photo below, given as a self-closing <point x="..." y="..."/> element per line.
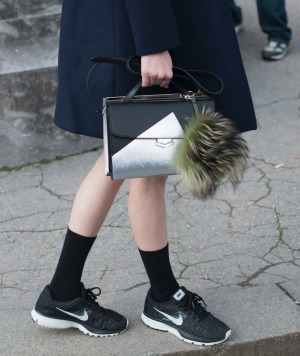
<point x="179" y="294"/>
<point x="198" y="308"/>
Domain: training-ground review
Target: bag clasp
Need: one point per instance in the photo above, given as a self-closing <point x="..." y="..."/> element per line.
<point x="164" y="142"/>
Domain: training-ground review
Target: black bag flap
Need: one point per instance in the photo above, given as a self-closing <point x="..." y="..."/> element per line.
<point x="151" y="119"/>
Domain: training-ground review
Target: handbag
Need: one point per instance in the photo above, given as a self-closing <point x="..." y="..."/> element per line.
<point x="143" y="133"/>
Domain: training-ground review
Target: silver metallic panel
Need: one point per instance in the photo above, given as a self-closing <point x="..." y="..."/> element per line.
<point x="142" y="157"/>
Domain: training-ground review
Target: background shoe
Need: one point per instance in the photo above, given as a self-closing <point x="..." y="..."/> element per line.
<point x="185" y="316"/>
<point x="275" y="50"/>
<point x="82" y="313"/>
<point x="239" y="28"/>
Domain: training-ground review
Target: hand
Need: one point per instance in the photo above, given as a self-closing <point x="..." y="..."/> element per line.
<point x="156" y="69"/>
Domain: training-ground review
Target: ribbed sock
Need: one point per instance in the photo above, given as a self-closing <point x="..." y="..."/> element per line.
<point x="65" y="284"/>
<point x="158" y="268"/>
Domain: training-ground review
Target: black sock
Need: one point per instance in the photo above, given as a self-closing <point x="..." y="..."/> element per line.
<point x="65" y="284"/>
<point x="158" y="267"/>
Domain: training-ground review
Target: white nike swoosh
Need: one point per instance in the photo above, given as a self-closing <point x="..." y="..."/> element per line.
<point x="177" y="321"/>
<point x="83" y="317"/>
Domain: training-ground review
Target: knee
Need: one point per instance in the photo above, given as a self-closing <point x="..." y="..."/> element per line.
<point x="155" y="181"/>
<point x="146" y="184"/>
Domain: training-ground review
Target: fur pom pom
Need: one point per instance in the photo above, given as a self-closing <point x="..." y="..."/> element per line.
<point x="211" y="153"/>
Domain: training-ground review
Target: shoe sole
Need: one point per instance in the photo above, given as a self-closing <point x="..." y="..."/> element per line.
<point x="163" y="327"/>
<point x="275" y="58"/>
<point x="66" y="324"/>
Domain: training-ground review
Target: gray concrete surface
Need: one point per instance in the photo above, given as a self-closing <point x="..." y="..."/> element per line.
<point x="29" y="35"/>
<point x="239" y="251"/>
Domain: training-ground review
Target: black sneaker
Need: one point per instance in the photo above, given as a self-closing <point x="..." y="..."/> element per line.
<point x="275" y="50"/>
<point x="185" y="316"/>
<point x="82" y="313"/>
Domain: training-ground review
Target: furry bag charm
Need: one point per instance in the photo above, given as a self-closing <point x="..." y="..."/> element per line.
<point x="211" y="153"/>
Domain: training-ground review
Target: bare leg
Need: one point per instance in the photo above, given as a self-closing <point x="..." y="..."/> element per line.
<point x="93" y="201"/>
<point x="147" y="212"/>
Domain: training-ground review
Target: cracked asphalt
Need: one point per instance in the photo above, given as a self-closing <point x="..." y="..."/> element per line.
<point x="240" y="251"/>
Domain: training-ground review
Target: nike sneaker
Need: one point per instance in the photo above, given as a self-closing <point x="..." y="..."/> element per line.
<point x="83" y="313"/>
<point x="185" y="316"/>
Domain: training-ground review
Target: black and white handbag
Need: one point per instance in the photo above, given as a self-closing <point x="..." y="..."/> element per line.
<point x="141" y="132"/>
<point x="164" y="134"/>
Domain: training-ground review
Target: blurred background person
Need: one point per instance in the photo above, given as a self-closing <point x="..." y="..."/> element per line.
<point x="273" y="21"/>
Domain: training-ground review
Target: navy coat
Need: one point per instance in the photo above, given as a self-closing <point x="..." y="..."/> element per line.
<point x="198" y="33"/>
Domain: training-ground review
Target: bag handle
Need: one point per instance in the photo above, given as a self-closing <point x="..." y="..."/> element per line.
<point x="128" y="65"/>
<point x="133" y="65"/>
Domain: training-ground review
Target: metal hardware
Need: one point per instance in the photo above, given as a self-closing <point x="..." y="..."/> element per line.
<point x="188" y="96"/>
<point x="103" y="110"/>
<point x="160" y="97"/>
<point x="164" y="142"/>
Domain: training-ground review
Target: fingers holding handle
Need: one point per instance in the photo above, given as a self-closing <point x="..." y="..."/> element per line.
<point x="156" y="69"/>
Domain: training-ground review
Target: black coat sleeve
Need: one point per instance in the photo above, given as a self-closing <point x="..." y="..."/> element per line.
<point x="153" y="25"/>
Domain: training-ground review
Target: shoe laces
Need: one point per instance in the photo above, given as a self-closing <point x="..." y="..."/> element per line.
<point x="93" y="295"/>
<point x="193" y="303"/>
<point x="91" y="298"/>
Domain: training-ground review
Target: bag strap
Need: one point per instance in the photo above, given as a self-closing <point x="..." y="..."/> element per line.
<point x="133" y="65"/>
